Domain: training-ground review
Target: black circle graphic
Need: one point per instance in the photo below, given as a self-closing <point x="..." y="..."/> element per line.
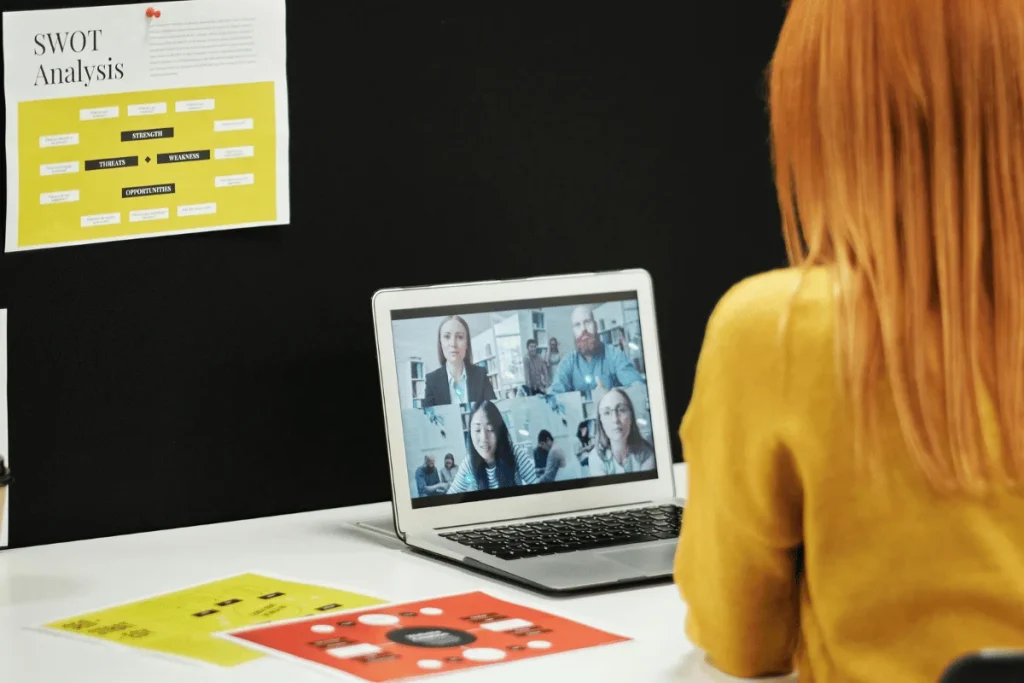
<point x="430" y="636"/>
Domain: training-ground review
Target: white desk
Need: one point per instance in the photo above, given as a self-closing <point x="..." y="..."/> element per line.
<point x="41" y="584"/>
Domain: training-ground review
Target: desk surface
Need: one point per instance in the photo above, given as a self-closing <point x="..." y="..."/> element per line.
<point x="44" y="583"/>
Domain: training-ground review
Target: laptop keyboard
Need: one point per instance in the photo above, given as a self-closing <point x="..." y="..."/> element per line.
<point x="570" y="534"/>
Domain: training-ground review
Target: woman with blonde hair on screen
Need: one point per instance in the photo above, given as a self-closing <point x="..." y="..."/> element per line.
<point x="621" y="448"/>
<point x="855" y="437"/>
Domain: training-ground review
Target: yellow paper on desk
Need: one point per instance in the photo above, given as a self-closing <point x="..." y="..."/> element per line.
<point x="182" y="623"/>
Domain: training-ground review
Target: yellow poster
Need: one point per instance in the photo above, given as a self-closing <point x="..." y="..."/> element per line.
<point x="207" y="158"/>
<point x="182" y="623"/>
<point x="124" y="122"/>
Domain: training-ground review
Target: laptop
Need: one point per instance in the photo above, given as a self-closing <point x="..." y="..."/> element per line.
<point x="527" y="431"/>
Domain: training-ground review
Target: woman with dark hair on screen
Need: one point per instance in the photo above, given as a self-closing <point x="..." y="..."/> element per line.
<point x="494" y="461"/>
<point x="855" y="436"/>
<point x="457" y="380"/>
<point x="621" y="448"/>
<point x="584" y="446"/>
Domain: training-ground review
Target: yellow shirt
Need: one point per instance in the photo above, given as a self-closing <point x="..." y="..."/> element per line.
<point x="790" y="556"/>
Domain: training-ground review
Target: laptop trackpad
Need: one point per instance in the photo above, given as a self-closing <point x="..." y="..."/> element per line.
<point x="650" y="560"/>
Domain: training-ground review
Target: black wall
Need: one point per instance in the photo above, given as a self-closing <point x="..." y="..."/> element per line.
<point x="184" y="380"/>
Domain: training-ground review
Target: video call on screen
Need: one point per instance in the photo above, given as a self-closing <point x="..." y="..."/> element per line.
<point x="523" y="397"/>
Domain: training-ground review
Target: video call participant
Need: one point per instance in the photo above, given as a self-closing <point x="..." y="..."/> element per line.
<point x="554" y="356"/>
<point x="428" y="479"/>
<point x="457" y="380"/>
<point x="620" y="446"/>
<point x="593" y="363"/>
<point x="494" y="461"/>
<point x="585" y="444"/>
<point x="536" y="370"/>
<point x="558" y="466"/>
<point x="448" y="471"/>
<point x="540" y="453"/>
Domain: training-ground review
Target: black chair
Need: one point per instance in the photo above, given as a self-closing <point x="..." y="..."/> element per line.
<point x="988" y="666"/>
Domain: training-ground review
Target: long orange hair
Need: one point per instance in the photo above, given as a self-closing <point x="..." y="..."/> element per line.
<point x="898" y="143"/>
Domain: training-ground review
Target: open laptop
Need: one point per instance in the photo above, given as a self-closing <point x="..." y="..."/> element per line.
<point x="527" y="430"/>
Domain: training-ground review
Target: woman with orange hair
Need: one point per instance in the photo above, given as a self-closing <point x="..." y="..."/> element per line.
<point x="855" y="437"/>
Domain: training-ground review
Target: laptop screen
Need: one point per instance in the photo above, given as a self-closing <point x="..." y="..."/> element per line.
<point x="523" y="397"/>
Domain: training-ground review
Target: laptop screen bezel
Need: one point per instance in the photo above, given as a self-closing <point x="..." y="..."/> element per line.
<point x="422" y="520"/>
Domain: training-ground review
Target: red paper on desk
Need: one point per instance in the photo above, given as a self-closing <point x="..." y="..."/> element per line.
<point x="396" y="642"/>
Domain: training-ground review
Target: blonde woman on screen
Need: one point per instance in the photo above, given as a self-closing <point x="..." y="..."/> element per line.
<point x="855" y="436"/>
<point x="621" y="449"/>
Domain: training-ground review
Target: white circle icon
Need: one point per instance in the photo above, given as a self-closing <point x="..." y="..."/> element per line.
<point x="538" y="645"/>
<point x="378" y="620"/>
<point x="429" y="664"/>
<point x="322" y="628"/>
<point x="483" y="654"/>
<point x="431" y="611"/>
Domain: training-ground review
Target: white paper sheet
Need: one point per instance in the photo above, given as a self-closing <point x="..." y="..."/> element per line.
<point x="5" y="451"/>
<point x="122" y="125"/>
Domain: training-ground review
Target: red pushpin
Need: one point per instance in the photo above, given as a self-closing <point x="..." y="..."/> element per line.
<point x="150" y="12"/>
<point x="156" y="14"/>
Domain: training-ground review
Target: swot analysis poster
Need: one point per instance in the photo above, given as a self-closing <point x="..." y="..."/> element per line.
<point x="135" y="121"/>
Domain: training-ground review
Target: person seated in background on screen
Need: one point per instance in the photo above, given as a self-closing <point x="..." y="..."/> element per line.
<point x="584" y="445"/>
<point x="448" y="471"/>
<point x="494" y="461"/>
<point x="621" y="448"/>
<point x="428" y="479"/>
<point x="593" y="363"/>
<point x="558" y="465"/>
<point x="457" y="380"/>
<point x="854" y="439"/>
<point x="540" y="453"/>
<point x="536" y="370"/>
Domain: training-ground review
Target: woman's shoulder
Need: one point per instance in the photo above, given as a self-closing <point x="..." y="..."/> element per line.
<point x="755" y="312"/>
<point x="436" y="372"/>
<point x="767" y="295"/>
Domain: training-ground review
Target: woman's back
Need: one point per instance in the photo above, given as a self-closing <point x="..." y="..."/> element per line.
<point x="792" y="553"/>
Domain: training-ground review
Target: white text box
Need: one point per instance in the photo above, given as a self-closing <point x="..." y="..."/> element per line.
<point x="352" y="651"/>
<point x="232" y="124"/>
<point x="98" y="113"/>
<point x="197" y="209"/>
<point x="506" y="625"/>
<point x="148" y="215"/>
<point x="193" y="105"/>
<point x="59" y="168"/>
<point x="233" y="152"/>
<point x="234" y="180"/>
<point x="147" y="109"/>
<point x="62" y="140"/>
<point x="62" y="197"/>
<point x="101" y="219"/>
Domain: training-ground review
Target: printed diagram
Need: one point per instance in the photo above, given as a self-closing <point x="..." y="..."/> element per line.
<point x="409" y="640"/>
<point x="182" y="623"/>
<point x="112" y="166"/>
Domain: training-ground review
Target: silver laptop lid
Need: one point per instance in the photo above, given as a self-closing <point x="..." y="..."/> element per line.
<point x="529" y="400"/>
